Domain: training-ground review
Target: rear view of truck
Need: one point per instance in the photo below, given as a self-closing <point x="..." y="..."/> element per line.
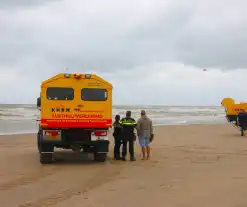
<point x="75" y="113"/>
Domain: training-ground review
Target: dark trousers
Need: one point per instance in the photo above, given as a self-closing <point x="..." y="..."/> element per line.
<point x="117" y="146"/>
<point x="131" y="148"/>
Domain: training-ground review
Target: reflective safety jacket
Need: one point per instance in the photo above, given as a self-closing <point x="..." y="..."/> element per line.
<point x="128" y="126"/>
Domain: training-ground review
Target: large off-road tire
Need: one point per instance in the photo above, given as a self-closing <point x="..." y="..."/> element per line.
<point x="46" y="158"/>
<point x="38" y="143"/>
<point x="100" y="157"/>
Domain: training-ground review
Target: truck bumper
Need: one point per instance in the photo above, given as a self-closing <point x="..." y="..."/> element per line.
<point x="99" y="146"/>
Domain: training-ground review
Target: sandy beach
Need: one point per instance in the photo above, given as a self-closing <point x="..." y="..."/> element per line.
<point x="194" y="165"/>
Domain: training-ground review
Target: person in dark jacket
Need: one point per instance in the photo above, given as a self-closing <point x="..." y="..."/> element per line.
<point x="128" y="135"/>
<point x="117" y="134"/>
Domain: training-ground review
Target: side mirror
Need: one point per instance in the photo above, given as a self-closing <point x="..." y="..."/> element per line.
<point x="38" y="102"/>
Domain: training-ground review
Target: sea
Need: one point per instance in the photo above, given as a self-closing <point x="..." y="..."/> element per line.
<point x="19" y="118"/>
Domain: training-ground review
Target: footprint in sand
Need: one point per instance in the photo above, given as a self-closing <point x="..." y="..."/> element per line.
<point x="238" y="178"/>
<point x="140" y="187"/>
<point x="111" y="190"/>
<point x="166" y="185"/>
<point x="123" y="178"/>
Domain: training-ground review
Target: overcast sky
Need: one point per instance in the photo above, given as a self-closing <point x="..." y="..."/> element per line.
<point x="153" y="51"/>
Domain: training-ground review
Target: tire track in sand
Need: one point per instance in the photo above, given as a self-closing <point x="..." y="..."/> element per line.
<point x="28" y="178"/>
<point x="104" y="175"/>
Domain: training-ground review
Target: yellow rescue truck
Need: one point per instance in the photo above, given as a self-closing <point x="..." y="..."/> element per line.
<point x="75" y="113"/>
<point x="236" y="113"/>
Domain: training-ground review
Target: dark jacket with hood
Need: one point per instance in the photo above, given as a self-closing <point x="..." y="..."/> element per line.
<point x="118" y="130"/>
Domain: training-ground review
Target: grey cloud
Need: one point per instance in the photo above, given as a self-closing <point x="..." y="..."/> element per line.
<point x="175" y="39"/>
<point x="13" y="4"/>
<point x="224" y="48"/>
<point x="80" y="41"/>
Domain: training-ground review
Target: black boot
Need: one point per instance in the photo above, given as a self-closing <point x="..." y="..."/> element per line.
<point x="132" y="158"/>
<point x="117" y="157"/>
<point x="123" y="158"/>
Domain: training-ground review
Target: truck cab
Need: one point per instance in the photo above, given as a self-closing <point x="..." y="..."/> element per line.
<point x="76" y="114"/>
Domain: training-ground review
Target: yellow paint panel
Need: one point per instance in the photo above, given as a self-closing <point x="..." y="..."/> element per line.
<point x="76" y="109"/>
<point x="232" y="108"/>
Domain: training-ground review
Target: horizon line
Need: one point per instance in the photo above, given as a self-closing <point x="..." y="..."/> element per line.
<point x="169" y="105"/>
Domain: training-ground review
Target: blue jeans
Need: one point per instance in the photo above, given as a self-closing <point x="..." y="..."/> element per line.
<point x="144" y="141"/>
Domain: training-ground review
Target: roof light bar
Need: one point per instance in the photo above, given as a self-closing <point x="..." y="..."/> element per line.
<point x="77" y="75"/>
<point x="67" y="75"/>
<point x="88" y="76"/>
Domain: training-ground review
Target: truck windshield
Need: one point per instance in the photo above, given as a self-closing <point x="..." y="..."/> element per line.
<point x="93" y="94"/>
<point x="56" y="93"/>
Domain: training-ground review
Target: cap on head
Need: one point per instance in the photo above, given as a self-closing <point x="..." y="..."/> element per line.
<point x="143" y="112"/>
<point x="128" y="113"/>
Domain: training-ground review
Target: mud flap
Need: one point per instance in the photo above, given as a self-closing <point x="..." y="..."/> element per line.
<point x="101" y="146"/>
<point x="44" y="147"/>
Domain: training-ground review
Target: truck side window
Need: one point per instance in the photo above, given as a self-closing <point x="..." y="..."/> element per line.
<point x="56" y="93"/>
<point x="94" y="94"/>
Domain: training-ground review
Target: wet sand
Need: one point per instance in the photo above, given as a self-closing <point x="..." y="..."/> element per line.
<point x="196" y="165"/>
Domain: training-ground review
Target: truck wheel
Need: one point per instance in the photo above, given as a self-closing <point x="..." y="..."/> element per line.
<point x="46" y="158"/>
<point x="38" y="143"/>
<point x="100" y="157"/>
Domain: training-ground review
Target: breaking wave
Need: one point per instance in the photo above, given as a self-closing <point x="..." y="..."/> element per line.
<point x="159" y="114"/>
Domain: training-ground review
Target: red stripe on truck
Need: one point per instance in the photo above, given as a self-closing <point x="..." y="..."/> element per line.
<point x="76" y="123"/>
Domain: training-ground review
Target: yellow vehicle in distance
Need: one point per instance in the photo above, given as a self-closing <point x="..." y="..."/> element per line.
<point x="236" y="113"/>
<point x="75" y="113"/>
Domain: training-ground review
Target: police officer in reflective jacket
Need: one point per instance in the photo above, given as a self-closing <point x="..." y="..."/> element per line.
<point x="128" y="135"/>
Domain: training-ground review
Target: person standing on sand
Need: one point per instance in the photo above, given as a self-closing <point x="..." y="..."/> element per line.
<point x="145" y="134"/>
<point x="128" y="124"/>
<point x="117" y="134"/>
